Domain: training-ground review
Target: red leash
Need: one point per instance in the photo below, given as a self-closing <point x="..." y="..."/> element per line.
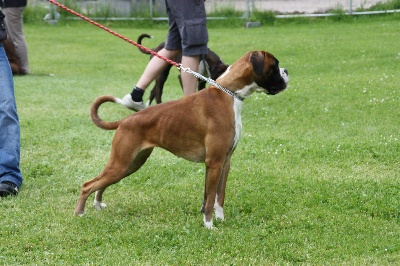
<point x="179" y="66"/>
<point x="115" y="33"/>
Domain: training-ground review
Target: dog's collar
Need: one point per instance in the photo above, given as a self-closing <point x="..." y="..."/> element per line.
<point x="231" y="93"/>
<point x="210" y="81"/>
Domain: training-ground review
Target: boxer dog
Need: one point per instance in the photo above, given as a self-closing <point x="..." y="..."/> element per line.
<point x="210" y="65"/>
<point x="201" y="127"/>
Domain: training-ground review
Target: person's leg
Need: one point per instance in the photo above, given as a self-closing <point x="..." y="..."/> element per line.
<point x="15" y="31"/>
<point x="10" y="174"/>
<point x="187" y="33"/>
<point x="134" y="100"/>
<point x="189" y="81"/>
<point x="154" y="68"/>
<point x="190" y="17"/>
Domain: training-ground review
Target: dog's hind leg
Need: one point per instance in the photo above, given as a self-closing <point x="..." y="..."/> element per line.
<point x="152" y="95"/>
<point x="160" y="82"/>
<point x="136" y="164"/>
<point x="157" y="91"/>
<point x="110" y="175"/>
<point x="98" y="204"/>
<point x="114" y="171"/>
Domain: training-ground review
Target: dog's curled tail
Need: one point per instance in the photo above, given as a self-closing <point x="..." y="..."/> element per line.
<point x="139" y="41"/>
<point x="95" y="116"/>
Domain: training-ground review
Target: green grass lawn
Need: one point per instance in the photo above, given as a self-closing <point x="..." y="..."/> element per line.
<point x="314" y="179"/>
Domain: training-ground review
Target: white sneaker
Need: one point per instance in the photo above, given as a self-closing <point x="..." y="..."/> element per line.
<point x="130" y="104"/>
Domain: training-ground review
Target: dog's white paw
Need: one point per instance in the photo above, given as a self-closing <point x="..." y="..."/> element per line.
<point x="99" y="205"/>
<point x="219" y="213"/>
<point x="209" y="224"/>
<point x="218" y="210"/>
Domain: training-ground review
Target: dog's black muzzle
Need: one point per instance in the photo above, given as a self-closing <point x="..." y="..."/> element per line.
<point x="279" y="83"/>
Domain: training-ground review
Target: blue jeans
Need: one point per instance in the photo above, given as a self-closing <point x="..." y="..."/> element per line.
<point x="9" y="125"/>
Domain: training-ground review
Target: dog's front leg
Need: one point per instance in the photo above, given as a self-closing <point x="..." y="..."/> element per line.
<point x="213" y="174"/>
<point x="220" y="198"/>
<point x="220" y="193"/>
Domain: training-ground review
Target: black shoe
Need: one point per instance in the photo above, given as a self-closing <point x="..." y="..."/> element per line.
<point x="8" y="188"/>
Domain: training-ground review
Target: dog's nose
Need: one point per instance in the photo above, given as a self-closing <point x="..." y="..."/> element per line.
<point x="285" y="70"/>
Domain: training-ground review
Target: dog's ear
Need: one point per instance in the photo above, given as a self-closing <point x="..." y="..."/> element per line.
<point x="257" y="60"/>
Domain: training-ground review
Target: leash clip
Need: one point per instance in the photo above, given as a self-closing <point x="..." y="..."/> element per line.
<point x="185" y="69"/>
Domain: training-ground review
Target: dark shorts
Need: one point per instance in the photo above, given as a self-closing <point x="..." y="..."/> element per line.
<point x="187" y="27"/>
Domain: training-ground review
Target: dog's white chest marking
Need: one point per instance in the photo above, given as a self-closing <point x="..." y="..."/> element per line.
<point x="237" y="108"/>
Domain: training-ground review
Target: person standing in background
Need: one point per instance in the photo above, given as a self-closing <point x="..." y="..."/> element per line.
<point x="187" y="35"/>
<point x="13" y="10"/>
<point x="10" y="173"/>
